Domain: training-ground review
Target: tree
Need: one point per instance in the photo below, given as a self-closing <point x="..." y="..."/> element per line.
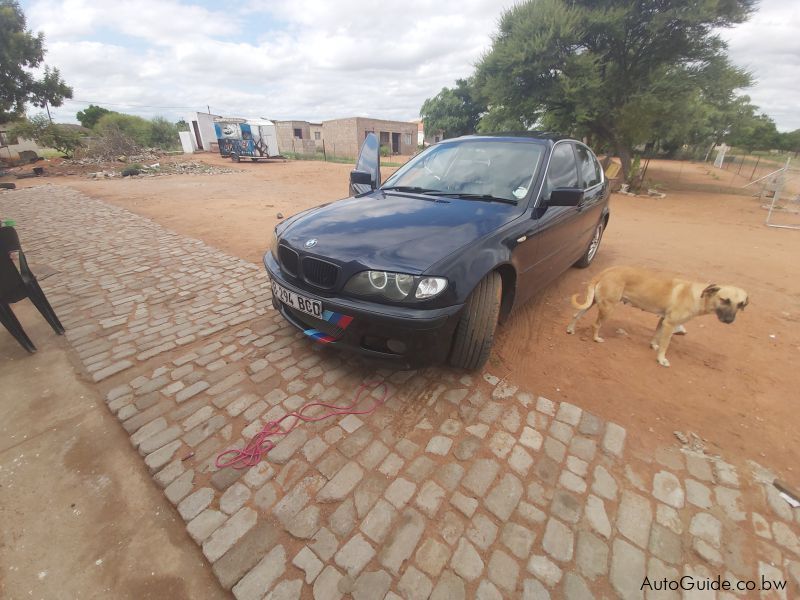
<point x="790" y="141"/>
<point x="754" y="132"/>
<point x="90" y="115"/>
<point x="182" y="125"/>
<point x="699" y="106"/>
<point x="453" y="111"/>
<point x="163" y="133"/>
<point x="50" y="91"/>
<point x="48" y="134"/>
<point x="21" y="51"/>
<point x="135" y="128"/>
<point x="603" y="69"/>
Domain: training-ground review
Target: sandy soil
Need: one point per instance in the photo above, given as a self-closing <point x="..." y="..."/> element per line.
<point x="731" y="384"/>
<point x="80" y="515"/>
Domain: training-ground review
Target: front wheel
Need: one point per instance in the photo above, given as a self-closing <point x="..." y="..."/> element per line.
<point x="591" y="249"/>
<point x="235" y="157"/>
<point x="474" y="334"/>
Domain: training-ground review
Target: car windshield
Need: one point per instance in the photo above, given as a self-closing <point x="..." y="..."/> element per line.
<point x="474" y="168"/>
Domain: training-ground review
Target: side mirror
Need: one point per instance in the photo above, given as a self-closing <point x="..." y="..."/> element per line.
<point x="361" y="178"/>
<point x="565" y="197"/>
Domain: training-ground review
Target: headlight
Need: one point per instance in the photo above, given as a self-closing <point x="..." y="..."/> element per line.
<point x="394" y="286"/>
<point x="273" y="244"/>
<point x="430" y="286"/>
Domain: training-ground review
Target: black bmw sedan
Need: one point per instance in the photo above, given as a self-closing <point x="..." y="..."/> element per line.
<point x="420" y="269"/>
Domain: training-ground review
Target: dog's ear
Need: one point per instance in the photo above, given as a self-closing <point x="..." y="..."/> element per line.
<point x="710" y="290"/>
<point x="746" y="302"/>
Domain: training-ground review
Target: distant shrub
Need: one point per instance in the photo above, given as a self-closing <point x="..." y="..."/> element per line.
<point x="386" y="151"/>
<point x="132" y="169"/>
<point x="135" y="128"/>
<point x="163" y="134"/>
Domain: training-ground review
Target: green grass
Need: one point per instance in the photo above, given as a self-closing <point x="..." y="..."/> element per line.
<point x="50" y="153"/>
<point x="334" y="159"/>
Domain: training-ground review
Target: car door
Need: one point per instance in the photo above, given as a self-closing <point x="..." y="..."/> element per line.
<point x="369" y="161"/>
<point x="591" y="207"/>
<point x="553" y="227"/>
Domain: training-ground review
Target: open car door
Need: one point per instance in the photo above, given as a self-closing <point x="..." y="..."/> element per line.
<point x="367" y="174"/>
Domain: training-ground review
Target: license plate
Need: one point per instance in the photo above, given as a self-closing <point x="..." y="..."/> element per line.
<point x="301" y="303"/>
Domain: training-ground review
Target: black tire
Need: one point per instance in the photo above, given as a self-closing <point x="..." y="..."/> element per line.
<point x="235" y="157"/>
<point x="474" y="334"/>
<point x="594" y="245"/>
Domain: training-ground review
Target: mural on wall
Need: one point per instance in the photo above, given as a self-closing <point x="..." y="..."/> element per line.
<point x="234" y="138"/>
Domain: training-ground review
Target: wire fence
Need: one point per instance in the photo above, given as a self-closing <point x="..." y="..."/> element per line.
<point x="750" y="167"/>
<point x="773" y="179"/>
<point x="308" y="150"/>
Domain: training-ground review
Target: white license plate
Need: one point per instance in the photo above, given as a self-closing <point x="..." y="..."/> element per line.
<point x="306" y="305"/>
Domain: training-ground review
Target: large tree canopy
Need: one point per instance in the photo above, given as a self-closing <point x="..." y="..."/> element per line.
<point x="615" y="71"/>
<point x="89" y="116"/>
<point x="453" y="111"/>
<point x="21" y="51"/>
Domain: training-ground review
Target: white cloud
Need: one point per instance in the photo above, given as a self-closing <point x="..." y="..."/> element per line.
<point x="317" y="59"/>
<point x="769" y="47"/>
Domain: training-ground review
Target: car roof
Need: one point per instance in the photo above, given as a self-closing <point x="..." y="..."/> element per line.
<point x="546" y="136"/>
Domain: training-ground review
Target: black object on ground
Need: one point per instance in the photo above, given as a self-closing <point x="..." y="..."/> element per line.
<point x="18" y="284"/>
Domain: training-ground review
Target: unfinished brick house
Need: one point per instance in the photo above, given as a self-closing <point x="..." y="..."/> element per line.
<point x="315" y="130"/>
<point x="295" y="137"/>
<point x="343" y="137"/>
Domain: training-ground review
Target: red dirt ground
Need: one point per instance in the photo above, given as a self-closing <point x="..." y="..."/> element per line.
<point x="734" y="385"/>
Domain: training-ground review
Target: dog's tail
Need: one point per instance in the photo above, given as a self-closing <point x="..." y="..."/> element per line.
<point x="589" y="297"/>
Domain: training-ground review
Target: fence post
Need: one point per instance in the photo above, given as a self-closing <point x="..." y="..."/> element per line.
<point x="324" y="154"/>
<point x="754" y="169"/>
<point x="741" y="164"/>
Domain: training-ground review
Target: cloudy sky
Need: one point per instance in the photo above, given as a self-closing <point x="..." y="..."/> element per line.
<point x="321" y="59"/>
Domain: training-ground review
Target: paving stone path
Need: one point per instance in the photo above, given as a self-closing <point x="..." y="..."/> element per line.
<point x="461" y="486"/>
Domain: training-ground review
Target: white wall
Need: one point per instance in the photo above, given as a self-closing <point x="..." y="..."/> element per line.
<point x="205" y="122"/>
<point x="187" y="141"/>
<point x="12" y="150"/>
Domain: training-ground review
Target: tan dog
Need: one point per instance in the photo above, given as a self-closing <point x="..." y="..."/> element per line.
<point x="674" y="300"/>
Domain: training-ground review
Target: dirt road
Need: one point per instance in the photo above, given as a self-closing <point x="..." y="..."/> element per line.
<point x="732" y="384"/>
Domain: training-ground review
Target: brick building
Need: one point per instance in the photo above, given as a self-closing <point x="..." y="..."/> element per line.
<point x="343" y="137"/>
<point x="295" y="137"/>
<point x="315" y="130"/>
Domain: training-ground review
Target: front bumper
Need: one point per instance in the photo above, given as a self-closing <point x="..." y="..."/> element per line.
<point x="406" y="335"/>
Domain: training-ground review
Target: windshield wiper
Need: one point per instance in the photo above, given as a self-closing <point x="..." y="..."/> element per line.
<point x="485" y="197"/>
<point x="411" y="189"/>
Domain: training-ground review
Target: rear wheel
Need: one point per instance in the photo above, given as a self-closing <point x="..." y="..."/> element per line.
<point x="474" y="334"/>
<point x="591" y="249"/>
<point x="235" y="157"/>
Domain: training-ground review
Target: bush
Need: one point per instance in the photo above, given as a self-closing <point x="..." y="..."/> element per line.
<point x="136" y="128"/>
<point x="130" y="130"/>
<point x="47" y="134"/>
<point x="386" y="151"/>
<point x="132" y="169"/>
<point x="163" y="134"/>
<point x="111" y="144"/>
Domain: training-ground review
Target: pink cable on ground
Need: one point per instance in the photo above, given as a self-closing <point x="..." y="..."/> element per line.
<point x="260" y="443"/>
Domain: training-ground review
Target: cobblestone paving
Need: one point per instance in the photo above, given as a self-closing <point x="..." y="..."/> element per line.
<point x="459" y="487"/>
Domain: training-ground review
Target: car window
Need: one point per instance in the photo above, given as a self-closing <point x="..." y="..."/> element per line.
<point x="562" y="172"/>
<point x="486" y="167"/>
<point x="590" y="170"/>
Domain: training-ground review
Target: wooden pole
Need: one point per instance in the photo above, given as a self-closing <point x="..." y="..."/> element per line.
<point x="754" y="169"/>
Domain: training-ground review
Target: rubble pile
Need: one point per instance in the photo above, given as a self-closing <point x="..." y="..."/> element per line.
<point x="171" y="168"/>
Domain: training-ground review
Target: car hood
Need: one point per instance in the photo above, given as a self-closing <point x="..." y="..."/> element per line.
<point x="393" y="231"/>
